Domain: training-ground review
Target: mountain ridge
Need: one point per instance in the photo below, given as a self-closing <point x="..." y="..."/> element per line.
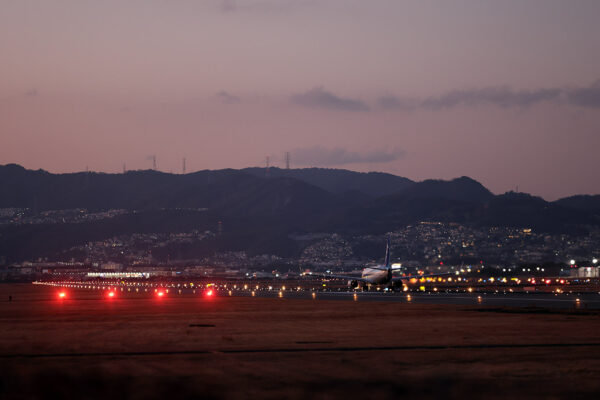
<point x="297" y="196"/>
<point x="261" y="213"/>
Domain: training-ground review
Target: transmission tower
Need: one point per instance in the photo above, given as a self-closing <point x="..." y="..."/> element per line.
<point x="268" y="165"/>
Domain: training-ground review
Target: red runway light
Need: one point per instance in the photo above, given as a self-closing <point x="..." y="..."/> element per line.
<point x="111" y="294"/>
<point x="209" y="293"/>
<point x="160" y="293"/>
<point x="62" y="295"/>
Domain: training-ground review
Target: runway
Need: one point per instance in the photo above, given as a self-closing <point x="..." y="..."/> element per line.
<point x="546" y="300"/>
<point x="565" y="300"/>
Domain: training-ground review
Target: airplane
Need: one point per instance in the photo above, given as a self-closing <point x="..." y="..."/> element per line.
<point x="377" y="275"/>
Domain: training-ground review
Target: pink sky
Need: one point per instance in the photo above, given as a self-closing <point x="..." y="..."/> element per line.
<point x="505" y="92"/>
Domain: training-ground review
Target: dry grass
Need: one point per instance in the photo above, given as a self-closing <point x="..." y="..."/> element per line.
<point x="175" y="360"/>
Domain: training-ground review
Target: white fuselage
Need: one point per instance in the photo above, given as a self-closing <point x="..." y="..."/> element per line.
<point x="376" y="276"/>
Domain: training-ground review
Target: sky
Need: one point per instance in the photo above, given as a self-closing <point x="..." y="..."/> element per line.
<point x="506" y="92"/>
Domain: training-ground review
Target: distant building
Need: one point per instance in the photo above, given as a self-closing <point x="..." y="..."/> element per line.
<point x="111" y="266"/>
<point x="585" y="272"/>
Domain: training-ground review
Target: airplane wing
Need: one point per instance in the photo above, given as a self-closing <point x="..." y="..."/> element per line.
<point x="379" y="267"/>
<point x="350" y="278"/>
<point x="406" y="278"/>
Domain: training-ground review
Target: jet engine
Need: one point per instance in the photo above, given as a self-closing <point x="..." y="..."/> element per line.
<point x="353" y="284"/>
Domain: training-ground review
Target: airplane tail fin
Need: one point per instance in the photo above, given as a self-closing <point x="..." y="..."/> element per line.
<point x="387" y="254"/>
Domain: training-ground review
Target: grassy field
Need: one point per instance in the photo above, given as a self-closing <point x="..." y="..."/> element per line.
<point x="136" y="346"/>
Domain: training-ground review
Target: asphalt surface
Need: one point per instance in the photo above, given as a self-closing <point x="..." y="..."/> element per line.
<point x="591" y="301"/>
<point x="491" y="299"/>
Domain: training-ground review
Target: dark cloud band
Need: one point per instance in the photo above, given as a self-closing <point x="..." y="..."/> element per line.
<point x="227" y="98"/>
<point x="497" y="96"/>
<point x="502" y="97"/>
<point x="319" y="98"/>
<point x="585" y="97"/>
<point x="320" y="156"/>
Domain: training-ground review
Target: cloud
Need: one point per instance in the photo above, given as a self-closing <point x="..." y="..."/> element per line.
<point x="320" y="156"/>
<point x="497" y="96"/>
<point x="227" y="98"/>
<point x="502" y="97"/>
<point x="585" y="97"/>
<point x="396" y="102"/>
<point x="319" y="98"/>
